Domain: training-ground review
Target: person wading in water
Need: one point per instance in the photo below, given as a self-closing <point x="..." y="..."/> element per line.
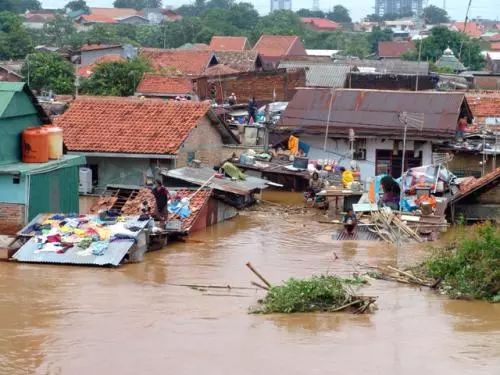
<point x="161" y="197"/>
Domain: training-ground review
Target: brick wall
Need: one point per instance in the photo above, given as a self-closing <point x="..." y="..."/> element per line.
<point x="6" y="76"/>
<point x="206" y="143"/>
<point x="11" y="218"/>
<point x="262" y="85"/>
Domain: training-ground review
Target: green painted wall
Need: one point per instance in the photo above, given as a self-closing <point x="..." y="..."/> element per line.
<point x="19" y="114"/>
<point x="55" y="191"/>
<point x="125" y="171"/>
<point x="11" y="192"/>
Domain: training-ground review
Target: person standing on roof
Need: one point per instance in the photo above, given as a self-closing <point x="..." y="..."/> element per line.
<point x="161" y="196"/>
<point x="252" y="109"/>
<point x="461" y="128"/>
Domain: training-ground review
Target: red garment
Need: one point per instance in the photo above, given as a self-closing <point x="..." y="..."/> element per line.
<point x="54" y="238"/>
<point x="462" y="125"/>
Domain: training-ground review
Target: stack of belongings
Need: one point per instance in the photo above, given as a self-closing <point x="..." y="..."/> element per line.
<point x="90" y="234"/>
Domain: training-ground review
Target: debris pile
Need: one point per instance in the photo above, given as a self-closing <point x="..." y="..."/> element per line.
<point x="390" y="228"/>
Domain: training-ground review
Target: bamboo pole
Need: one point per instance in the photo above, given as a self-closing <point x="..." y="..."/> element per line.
<point x="249" y="265"/>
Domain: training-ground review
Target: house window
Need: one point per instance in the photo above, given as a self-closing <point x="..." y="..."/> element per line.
<point x="16" y="180"/>
<point x="191" y="155"/>
<point x="390" y="162"/>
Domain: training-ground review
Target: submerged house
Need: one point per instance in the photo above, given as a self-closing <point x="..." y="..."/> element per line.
<point x="327" y="119"/>
<point x="128" y="141"/>
<point x="27" y="189"/>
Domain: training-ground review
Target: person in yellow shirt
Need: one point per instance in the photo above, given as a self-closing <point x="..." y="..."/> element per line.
<point x="347" y="177"/>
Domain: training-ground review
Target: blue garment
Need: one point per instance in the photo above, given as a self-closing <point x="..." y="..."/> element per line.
<point x="177" y="208"/>
<point x="99" y="247"/>
<point x="304" y="147"/>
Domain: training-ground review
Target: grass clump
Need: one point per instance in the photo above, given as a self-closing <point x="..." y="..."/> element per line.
<point x="318" y="293"/>
<point x="469" y="269"/>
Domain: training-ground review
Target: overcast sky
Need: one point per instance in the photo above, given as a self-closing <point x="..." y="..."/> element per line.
<point x="456" y="8"/>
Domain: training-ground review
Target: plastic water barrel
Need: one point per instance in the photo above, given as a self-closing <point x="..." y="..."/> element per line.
<point x="85" y="186"/>
<point x="35" y="145"/>
<point x="55" y="134"/>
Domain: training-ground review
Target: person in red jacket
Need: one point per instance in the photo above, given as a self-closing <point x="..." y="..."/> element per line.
<point x="461" y="127"/>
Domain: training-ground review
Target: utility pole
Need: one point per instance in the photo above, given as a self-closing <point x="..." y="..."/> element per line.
<point x="465" y="28"/>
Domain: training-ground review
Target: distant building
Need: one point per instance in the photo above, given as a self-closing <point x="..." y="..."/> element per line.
<point x="472" y="29"/>
<point x="399" y="7"/>
<point x="272" y="48"/>
<point x="126" y="140"/>
<point x="450" y="61"/>
<point x="229" y="43"/>
<point x="320" y="24"/>
<point x="281" y="5"/>
<point x="27" y="189"/>
<point x="8" y="75"/>
<point x="90" y="53"/>
<point x="179" y="62"/>
<point x="394" y="50"/>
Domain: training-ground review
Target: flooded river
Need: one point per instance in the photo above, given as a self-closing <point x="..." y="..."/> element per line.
<point x="134" y="320"/>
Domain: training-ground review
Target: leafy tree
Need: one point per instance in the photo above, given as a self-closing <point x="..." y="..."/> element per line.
<point x="310" y="13"/>
<point x="280" y="22"/>
<point x="378" y="35"/>
<point x="19" y="6"/>
<point x="49" y="71"/>
<point x="137" y="4"/>
<point x="60" y="32"/>
<point x="116" y="78"/>
<point x="357" y="45"/>
<point x="15" y="41"/>
<point x="466" y="49"/>
<point x="340" y="14"/>
<point x="76" y="5"/>
<point x="243" y="16"/>
<point x="434" y="15"/>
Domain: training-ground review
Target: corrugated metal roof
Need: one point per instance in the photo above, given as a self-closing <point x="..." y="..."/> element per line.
<point x="394" y="66"/>
<point x="372" y="112"/>
<point x="32" y="168"/>
<point x="320" y="74"/>
<point x="475" y="184"/>
<point x="199" y="176"/>
<point x="112" y="256"/>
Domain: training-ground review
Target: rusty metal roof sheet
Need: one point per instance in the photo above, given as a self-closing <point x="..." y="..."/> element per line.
<point x="199" y="176"/>
<point x="372" y="112"/>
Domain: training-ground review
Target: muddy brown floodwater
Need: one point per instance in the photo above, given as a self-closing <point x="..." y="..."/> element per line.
<point x="132" y="320"/>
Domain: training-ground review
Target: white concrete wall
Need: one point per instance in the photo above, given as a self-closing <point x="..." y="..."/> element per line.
<point x="338" y="150"/>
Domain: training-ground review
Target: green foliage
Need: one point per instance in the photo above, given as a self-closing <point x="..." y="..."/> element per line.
<point x="434" y="15"/>
<point x="15" y="41"/>
<point x="49" y="71"/>
<point x="76" y="5"/>
<point x="280" y="22"/>
<point x="378" y="35"/>
<point x="472" y="269"/>
<point x="310" y="13"/>
<point x="61" y="32"/>
<point x="19" y="6"/>
<point x="442" y="38"/>
<point x="319" y="293"/>
<point x="340" y="14"/>
<point x="441" y="69"/>
<point x="116" y="78"/>
<point x="137" y="4"/>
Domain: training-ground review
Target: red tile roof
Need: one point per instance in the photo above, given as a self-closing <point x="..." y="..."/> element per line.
<point x="471" y="185"/>
<point x="394" y="49"/>
<point x="229" y="43"/>
<point x="495" y="46"/>
<point x="484" y="105"/>
<point x="95" y="18"/>
<point x="220" y="69"/>
<point x="87" y="70"/>
<point x="494" y="38"/>
<point x="320" y="23"/>
<point x="129" y="125"/>
<point x="161" y="84"/>
<point x="113" y="12"/>
<point x="279" y="45"/>
<point x="472" y="29"/>
<point x="197" y="200"/>
<point x="178" y="61"/>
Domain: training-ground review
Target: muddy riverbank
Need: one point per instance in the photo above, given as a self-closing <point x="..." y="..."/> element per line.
<point x="132" y="320"/>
